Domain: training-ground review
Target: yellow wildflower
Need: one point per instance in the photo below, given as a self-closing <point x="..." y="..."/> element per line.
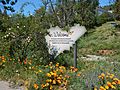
<point x="102" y="88"/>
<point x="59" y="78"/>
<point x="57" y="65"/>
<point x="109" y="84"/>
<point x="50" y="80"/>
<point x="33" y="67"/>
<point x="36" y="86"/>
<point x="113" y="87"/>
<point x="62" y="67"/>
<point x="107" y="76"/>
<point x="42" y="85"/>
<point x="57" y="70"/>
<point x="59" y="81"/>
<point x="61" y="70"/>
<point x="103" y="75"/>
<point x="26" y="83"/>
<point x="36" y="72"/>
<point x="95" y="88"/>
<point x="99" y="76"/>
<point x="108" y="73"/>
<point x="3" y="60"/>
<point x="78" y="74"/>
<point x="113" y="83"/>
<point x="51" y="87"/>
<point x="71" y="67"/>
<point x="47" y="84"/>
<point x="50" y="64"/>
<point x="75" y="70"/>
<point x="55" y="75"/>
<point x="51" y="73"/>
<point x="48" y="74"/>
<point x="64" y="79"/>
<point x="2" y="57"/>
<point x="40" y="70"/>
<point x="115" y="79"/>
<point x="51" y="67"/>
<point x="118" y="82"/>
<point x="54" y="82"/>
<point x="46" y="66"/>
<point x="111" y="76"/>
<point x="60" y="75"/>
<point x="106" y="87"/>
<point x="47" y="80"/>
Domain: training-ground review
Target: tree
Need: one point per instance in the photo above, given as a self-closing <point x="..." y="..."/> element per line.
<point x="67" y="12"/>
<point x="117" y="9"/>
<point x="86" y="12"/>
<point x="7" y="5"/>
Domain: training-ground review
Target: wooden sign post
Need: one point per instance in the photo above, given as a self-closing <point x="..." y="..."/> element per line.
<point x="75" y="55"/>
<point x="59" y="40"/>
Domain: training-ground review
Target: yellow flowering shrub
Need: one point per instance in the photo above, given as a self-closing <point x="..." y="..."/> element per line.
<point x="55" y="76"/>
<point x="108" y="82"/>
<point x="2" y="60"/>
<point x="49" y="77"/>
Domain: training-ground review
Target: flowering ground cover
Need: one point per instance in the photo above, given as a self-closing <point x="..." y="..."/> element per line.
<point x="25" y="61"/>
<point x="92" y="76"/>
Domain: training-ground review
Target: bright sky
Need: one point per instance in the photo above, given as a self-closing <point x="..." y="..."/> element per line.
<point x="104" y="2"/>
<point x="29" y="9"/>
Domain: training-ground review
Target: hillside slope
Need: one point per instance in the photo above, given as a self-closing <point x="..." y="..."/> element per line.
<point x="103" y="40"/>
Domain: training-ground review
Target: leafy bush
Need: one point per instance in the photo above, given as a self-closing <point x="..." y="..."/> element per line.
<point x="108" y="81"/>
<point x="23" y="39"/>
<point x="54" y="77"/>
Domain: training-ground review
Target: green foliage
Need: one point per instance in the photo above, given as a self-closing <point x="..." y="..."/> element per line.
<point x="105" y="37"/>
<point x="22" y="41"/>
<point x="85" y="12"/>
<point x="116" y="9"/>
<point x="104" y="17"/>
<point x="67" y="13"/>
<point x="23" y="38"/>
<point x="89" y="74"/>
<point x="65" y="58"/>
<point x="24" y="49"/>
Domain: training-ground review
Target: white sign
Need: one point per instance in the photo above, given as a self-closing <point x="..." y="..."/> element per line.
<point x="59" y="40"/>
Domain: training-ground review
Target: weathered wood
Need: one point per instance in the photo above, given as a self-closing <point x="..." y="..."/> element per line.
<point x="75" y="55"/>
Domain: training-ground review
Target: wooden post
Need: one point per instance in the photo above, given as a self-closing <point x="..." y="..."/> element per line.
<point x="75" y="55"/>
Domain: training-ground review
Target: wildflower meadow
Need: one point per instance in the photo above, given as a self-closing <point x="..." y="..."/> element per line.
<point x="60" y="44"/>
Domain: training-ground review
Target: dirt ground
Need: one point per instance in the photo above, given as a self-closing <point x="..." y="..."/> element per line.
<point x="5" y="86"/>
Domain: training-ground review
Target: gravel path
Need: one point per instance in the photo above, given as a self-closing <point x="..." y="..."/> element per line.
<point x="94" y="58"/>
<point x="5" y="86"/>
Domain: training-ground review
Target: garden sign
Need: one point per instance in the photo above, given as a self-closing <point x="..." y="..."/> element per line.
<point x="59" y="40"/>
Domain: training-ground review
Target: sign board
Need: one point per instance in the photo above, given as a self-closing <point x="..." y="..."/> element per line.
<point x="59" y="40"/>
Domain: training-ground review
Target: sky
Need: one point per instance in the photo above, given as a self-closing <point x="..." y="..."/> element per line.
<point x="30" y="9"/>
